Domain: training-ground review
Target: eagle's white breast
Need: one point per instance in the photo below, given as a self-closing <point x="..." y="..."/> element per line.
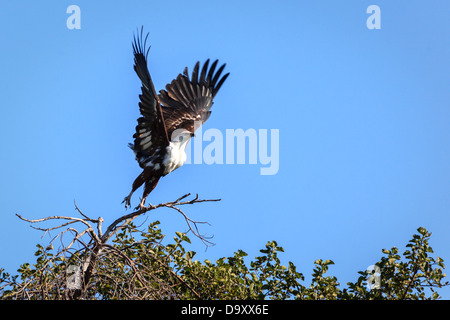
<point x="175" y="156"/>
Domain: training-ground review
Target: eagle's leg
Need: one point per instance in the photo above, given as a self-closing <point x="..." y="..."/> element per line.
<point x="136" y="184"/>
<point x="149" y="186"/>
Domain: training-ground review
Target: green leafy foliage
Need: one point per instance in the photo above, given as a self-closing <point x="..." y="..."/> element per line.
<point x="137" y="265"/>
<point x="417" y="276"/>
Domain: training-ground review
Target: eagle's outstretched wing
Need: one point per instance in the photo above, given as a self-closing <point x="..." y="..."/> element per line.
<point x="151" y="132"/>
<point x="188" y="100"/>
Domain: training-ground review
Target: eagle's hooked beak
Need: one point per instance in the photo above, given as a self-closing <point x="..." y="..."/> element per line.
<point x="192" y="135"/>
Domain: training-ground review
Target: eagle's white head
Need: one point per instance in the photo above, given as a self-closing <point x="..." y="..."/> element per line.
<point x="181" y="137"/>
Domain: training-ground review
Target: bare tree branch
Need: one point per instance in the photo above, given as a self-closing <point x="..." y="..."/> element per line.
<point x="113" y="228"/>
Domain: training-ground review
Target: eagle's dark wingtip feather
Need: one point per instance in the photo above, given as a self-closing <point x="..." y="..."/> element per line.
<point x="217" y="75"/>
<point x="194" y="79"/>
<point x="202" y="78"/>
<point x="217" y="87"/>
<point x="145" y="45"/>
<point x="139" y="43"/>
<point x="211" y="72"/>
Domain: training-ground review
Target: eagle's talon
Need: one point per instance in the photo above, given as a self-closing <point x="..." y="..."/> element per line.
<point x="127" y="202"/>
<point x="141" y="205"/>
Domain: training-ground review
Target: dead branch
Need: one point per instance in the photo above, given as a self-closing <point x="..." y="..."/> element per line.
<point x="126" y="219"/>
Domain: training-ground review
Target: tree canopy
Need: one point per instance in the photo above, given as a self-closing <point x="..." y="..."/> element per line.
<point x="136" y="264"/>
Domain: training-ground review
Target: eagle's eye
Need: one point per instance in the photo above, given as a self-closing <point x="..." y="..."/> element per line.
<point x="180" y="138"/>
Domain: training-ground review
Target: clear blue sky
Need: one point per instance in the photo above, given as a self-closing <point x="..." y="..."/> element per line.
<point x="363" y="117"/>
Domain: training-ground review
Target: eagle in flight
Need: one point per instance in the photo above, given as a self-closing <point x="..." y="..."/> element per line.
<point x="168" y="119"/>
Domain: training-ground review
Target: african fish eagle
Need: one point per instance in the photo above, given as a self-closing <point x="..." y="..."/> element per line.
<point x="167" y="119"/>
